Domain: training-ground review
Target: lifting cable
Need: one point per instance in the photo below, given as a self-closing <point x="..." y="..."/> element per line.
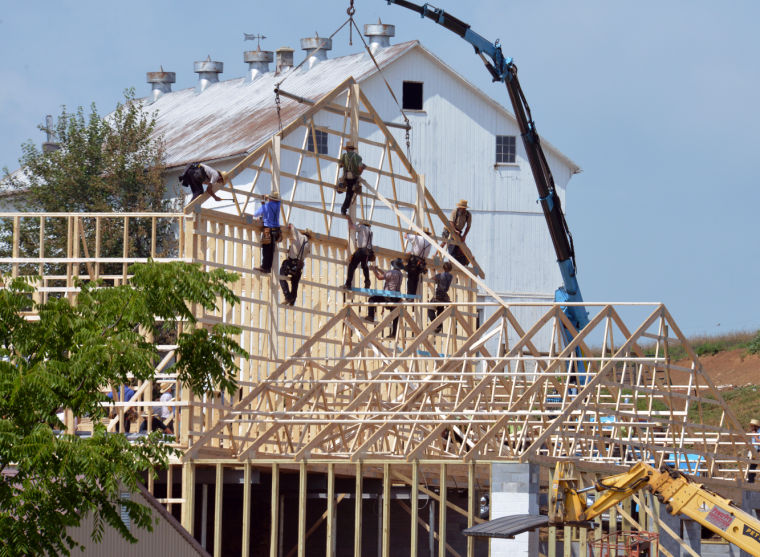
<point x="351" y="10"/>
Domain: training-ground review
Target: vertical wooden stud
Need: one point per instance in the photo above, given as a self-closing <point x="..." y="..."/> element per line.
<point x="414" y="495"/>
<point x="442" y="508"/>
<point x="330" y="538"/>
<point x="275" y="510"/>
<point x="358" y="511"/>
<point x="386" y="531"/>
<point x="246" y="540"/>
<point x="302" y="510"/>
<point x="218" y="493"/>
<point x="188" y="496"/>
<point x="471" y="502"/>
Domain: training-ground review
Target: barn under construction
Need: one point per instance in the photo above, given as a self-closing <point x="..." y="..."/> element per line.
<point x="342" y="440"/>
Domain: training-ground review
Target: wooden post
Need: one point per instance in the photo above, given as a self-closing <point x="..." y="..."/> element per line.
<point x="567" y="542"/>
<point x="330" y="538"/>
<point x="302" y="509"/>
<point x="386" y="532"/>
<point x="188" y="496"/>
<point x="442" y="513"/>
<point x="552" y="541"/>
<point x="583" y="542"/>
<point x="358" y="511"/>
<point x="246" y="541"/>
<point x="471" y="502"/>
<point x="414" y="495"/>
<point x="169" y="487"/>
<point x="218" y="492"/>
<point x="275" y="510"/>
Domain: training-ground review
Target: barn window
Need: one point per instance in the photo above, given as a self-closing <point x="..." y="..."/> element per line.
<point x="321" y="142"/>
<point x="412" y="95"/>
<point x="505" y="149"/>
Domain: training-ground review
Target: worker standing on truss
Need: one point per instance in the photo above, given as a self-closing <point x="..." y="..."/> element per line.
<point x="417" y="249"/>
<point x="461" y="220"/>
<point x="364" y="252"/>
<point x="298" y="249"/>
<point x="351" y="163"/>
<point x="393" y="279"/>
<point x="196" y="175"/>
<point x="442" y="284"/>
<point x="269" y="213"/>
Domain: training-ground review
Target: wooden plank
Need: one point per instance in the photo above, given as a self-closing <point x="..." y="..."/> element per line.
<point x="274" y="511"/>
<point x="358" y="493"/>
<point x="330" y="535"/>
<point x="218" y="494"/>
<point x="442" y="508"/>
<point x="415" y="510"/>
<point x="386" y="530"/>
<point x="245" y="543"/>
<point x="302" y="483"/>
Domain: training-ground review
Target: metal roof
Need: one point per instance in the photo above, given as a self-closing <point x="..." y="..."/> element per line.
<point x="234" y="117"/>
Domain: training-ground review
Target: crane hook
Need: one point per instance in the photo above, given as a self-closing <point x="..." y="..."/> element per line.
<point x="351" y="10"/>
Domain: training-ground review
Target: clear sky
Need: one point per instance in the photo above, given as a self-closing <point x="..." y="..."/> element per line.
<point x="656" y="101"/>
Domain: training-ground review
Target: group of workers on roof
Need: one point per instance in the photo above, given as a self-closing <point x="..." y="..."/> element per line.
<point x="417" y="247"/>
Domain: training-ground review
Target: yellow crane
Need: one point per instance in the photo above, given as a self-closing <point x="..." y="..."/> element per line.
<point x="681" y="494"/>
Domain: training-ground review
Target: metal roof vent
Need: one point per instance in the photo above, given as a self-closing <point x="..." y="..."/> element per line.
<point x="51" y="144"/>
<point x="316" y="48"/>
<point x="208" y="72"/>
<point x="258" y="62"/>
<point x="379" y="35"/>
<point x="284" y="59"/>
<point x="162" y="82"/>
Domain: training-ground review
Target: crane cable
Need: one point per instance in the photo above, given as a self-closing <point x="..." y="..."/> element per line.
<point x="351" y="10"/>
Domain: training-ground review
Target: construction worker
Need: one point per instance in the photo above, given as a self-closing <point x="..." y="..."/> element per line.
<point x="197" y="174"/>
<point x="363" y="254"/>
<point x="754" y="427"/>
<point x="461" y="220"/>
<point x="292" y="266"/>
<point x="352" y="166"/>
<point x="417" y="249"/>
<point x="442" y="284"/>
<point x="392" y="278"/>
<point x="269" y="213"/>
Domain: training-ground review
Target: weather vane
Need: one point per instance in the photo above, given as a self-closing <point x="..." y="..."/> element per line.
<point x="257" y="38"/>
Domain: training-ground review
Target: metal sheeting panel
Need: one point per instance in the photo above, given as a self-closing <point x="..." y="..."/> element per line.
<point x="507" y="526"/>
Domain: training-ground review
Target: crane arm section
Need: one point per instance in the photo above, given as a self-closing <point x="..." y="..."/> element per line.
<point x="503" y="69"/>
<point x="679" y="492"/>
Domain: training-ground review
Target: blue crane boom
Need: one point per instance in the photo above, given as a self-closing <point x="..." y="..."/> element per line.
<point x="503" y="69"/>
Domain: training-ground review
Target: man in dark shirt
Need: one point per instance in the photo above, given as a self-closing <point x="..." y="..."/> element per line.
<point x="363" y="242"/>
<point x="442" y="284"/>
<point x="351" y="163"/>
<point x="393" y="279"/>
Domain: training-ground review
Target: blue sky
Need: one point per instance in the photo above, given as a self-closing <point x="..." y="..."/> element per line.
<point x="656" y="101"/>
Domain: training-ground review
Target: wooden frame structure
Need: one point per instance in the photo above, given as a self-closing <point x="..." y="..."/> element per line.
<point x="326" y="392"/>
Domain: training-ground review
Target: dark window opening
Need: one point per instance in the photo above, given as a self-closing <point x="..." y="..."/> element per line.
<point x="412" y="95"/>
<point x="321" y="142"/>
<point x="505" y="149"/>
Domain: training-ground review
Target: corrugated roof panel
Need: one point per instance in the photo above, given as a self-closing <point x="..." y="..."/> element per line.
<point x="236" y="116"/>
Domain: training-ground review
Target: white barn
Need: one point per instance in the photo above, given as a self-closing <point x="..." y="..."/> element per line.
<point x="454" y="132"/>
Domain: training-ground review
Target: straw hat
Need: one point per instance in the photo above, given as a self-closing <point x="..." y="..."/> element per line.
<point x="308" y="233"/>
<point x="273" y="195"/>
<point x="754" y="422"/>
<point x="462" y="203"/>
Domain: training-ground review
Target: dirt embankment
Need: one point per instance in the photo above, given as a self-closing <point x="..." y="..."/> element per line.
<point x="732" y="368"/>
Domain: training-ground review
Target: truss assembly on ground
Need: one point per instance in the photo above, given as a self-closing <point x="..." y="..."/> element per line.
<point x="324" y="391"/>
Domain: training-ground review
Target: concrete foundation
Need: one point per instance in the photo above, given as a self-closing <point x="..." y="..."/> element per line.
<point x="514" y="490"/>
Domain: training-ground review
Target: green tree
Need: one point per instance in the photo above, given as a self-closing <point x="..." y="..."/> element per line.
<point x="67" y="359"/>
<point x="103" y="164"/>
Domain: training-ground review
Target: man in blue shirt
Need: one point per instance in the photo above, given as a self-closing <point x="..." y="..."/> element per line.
<point x="269" y="212"/>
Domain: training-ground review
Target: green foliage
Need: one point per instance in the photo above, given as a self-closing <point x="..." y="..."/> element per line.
<point x="65" y="360"/>
<point x="753" y="346"/>
<point x="744" y="401"/>
<point x="104" y="164"/>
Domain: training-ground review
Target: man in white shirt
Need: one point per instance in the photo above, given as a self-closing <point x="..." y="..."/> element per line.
<point x="198" y="174"/>
<point x="363" y="240"/>
<point x="417" y="249"/>
<point x="292" y="266"/>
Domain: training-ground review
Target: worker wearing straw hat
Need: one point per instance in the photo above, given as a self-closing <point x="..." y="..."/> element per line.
<point x="293" y="264"/>
<point x="351" y="163"/>
<point x="461" y="220"/>
<point x="269" y="213"/>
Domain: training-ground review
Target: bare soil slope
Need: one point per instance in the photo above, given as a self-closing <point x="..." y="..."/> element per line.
<point x="732" y="368"/>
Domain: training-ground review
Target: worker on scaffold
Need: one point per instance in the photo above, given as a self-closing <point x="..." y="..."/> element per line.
<point x="351" y="163"/>
<point x="393" y="278"/>
<point x="442" y="282"/>
<point x="363" y="254"/>
<point x="417" y="249"/>
<point x="461" y="220"/>
<point x="269" y="213"/>
<point x="196" y="175"/>
<point x="292" y="266"/>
